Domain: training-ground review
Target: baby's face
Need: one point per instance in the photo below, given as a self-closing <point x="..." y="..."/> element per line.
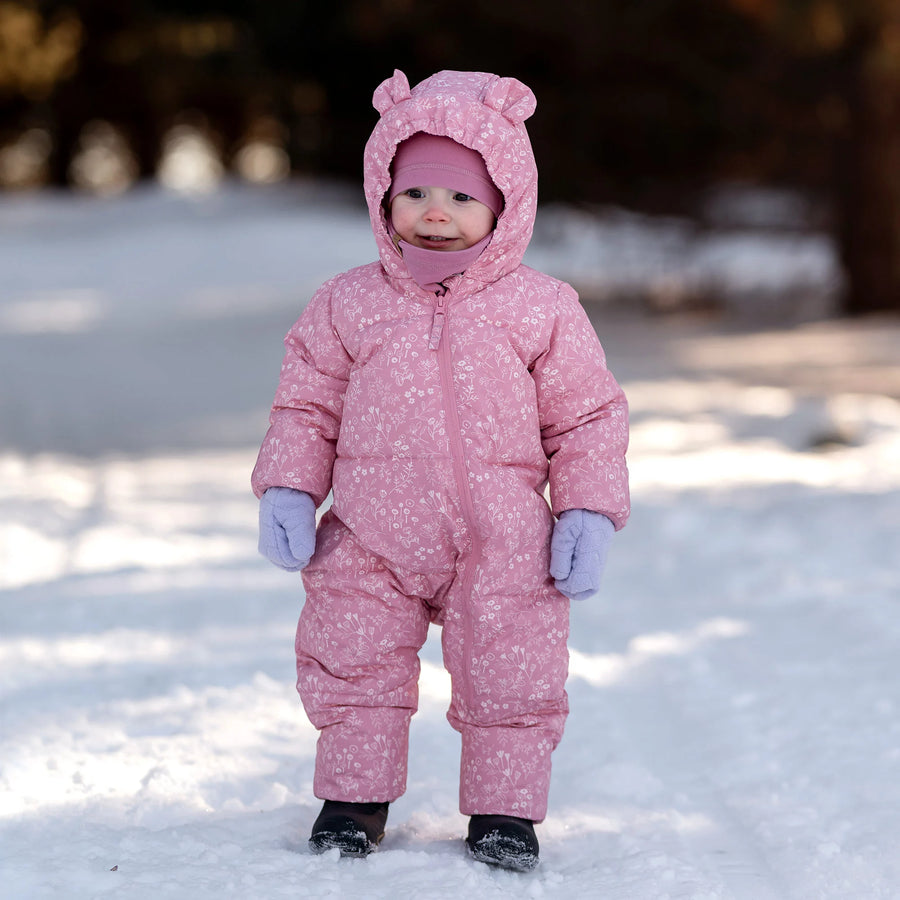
<point x="436" y="218"/>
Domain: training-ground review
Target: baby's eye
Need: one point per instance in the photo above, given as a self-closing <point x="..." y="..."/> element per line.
<point x="460" y="197"/>
<point x="415" y="193"/>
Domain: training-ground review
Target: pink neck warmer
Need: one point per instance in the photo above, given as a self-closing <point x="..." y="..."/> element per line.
<point x="430" y="267"/>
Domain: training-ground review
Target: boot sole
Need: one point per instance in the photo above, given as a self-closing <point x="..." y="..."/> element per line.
<point x="351" y="844"/>
<point x="503" y="855"/>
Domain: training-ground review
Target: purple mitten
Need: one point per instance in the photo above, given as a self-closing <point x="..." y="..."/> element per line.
<point x="287" y="527"/>
<point x="578" y="552"/>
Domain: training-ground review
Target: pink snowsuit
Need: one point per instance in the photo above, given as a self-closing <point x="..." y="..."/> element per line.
<point x="437" y="422"/>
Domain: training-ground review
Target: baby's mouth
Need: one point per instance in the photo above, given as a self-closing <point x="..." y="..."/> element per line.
<point x="436" y="239"/>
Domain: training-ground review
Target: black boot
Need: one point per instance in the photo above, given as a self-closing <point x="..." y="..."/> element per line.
<point x="503" y="841"/>
<point x="354" y="828"/>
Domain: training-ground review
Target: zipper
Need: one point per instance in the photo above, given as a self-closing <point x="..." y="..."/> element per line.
<point x="437" y="321"/>
<point x="440" y="341"/>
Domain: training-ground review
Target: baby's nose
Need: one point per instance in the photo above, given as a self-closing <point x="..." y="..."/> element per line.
<point x="436" y="211"/>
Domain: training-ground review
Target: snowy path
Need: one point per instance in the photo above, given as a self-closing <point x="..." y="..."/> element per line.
<point x="735" y="728"/>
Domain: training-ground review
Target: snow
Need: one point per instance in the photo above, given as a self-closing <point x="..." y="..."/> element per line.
<point x="735" y="727"/>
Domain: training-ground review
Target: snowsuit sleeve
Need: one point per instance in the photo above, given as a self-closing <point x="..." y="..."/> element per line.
<point x="298" y="450"/>
<point x="583" y="418"/>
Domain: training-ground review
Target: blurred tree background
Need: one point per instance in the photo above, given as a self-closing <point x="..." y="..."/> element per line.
<point x="641" y="102"/>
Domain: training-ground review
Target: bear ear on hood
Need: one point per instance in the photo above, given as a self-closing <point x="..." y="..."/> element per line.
<point x="390" y="92"/>
<point x="512" y="99"/>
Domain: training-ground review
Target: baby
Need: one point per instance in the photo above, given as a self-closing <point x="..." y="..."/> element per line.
<point x="436" y="393"/>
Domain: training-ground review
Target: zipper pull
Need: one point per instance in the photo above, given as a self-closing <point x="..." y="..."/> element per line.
<point x="437" y="324"/>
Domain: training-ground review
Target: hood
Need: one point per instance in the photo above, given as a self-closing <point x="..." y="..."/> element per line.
<point x="481" y="111"/>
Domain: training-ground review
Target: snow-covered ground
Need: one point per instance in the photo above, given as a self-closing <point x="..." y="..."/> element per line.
<point x="735" y="727"/>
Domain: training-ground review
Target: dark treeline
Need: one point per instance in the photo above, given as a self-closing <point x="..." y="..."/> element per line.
<point x="640" y="101"/>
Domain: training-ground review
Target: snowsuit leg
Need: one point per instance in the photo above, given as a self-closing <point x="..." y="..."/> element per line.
<point x="357" y="646"/>
<point x="505" y="647"/>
